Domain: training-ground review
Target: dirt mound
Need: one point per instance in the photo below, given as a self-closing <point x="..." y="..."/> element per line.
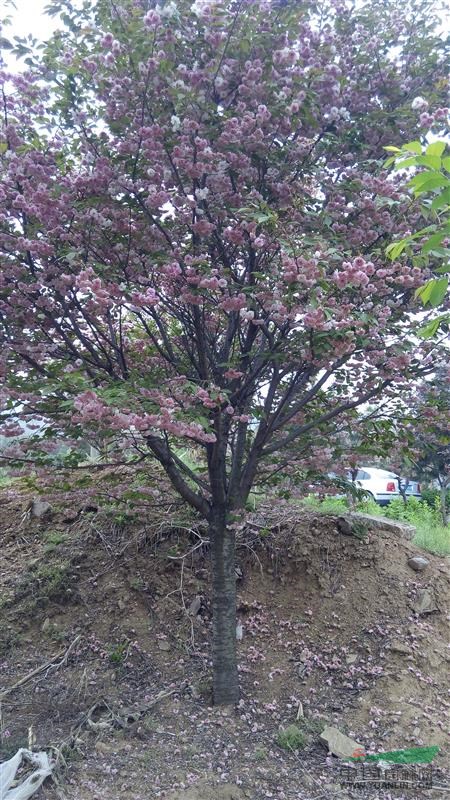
<point x="338" y="630"/>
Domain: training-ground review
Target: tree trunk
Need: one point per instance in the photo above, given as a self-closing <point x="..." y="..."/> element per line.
<point x="443" y="499"/>
<point x="225" y="674"/>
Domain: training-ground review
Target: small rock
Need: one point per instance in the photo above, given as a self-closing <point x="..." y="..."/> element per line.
<point x="424" y="603"/>
<point x="40" y="509"/>
<point x="418" y="563"/>
<point x="351" y="524"/>
<point x="102" y="747"/>
<point x="45" y="625"/>
<point x="163" y="644"/>
<point x="399" y="647"/>
<point x="227" y="711"/>
<point x="434" y="659"/>
<point x="351" y="658"/>
<point x="304" y="655"/>
<point x="338" y="743"/>
<point x="195" y="606"/>
<point x="122" y="605"/>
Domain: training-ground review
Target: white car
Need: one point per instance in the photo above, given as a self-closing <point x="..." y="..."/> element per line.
<point x="385" y="486"/>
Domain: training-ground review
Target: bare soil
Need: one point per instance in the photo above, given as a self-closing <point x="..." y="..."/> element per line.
<point x="331" y="636"/>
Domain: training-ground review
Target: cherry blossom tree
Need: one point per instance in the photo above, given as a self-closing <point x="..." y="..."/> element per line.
<point x="193" y="223"/>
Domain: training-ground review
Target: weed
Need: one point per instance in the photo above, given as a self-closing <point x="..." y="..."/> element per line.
<point x="71" y="754"/>
<point x="137" y="584"/>
<point x="9" y="639"/>
<point x="53" y="539"/>
<point x="53" y="580"/>
<point x="117" y="654"/>
<point x="56" y="634"/>
<point x="149" y="723"/>
<point x="260" y="754"/>
<point x="291" y="738"/>
<point x="43" y="583"/>
<point x="311" y="726"/>
<point x="204" y="688"/>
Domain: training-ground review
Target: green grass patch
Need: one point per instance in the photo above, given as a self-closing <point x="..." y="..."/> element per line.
<point x="435" y="540"/>
<point x="291" y="738"/>
<point x="431" y="534"/>
<point x="53" y="539"/>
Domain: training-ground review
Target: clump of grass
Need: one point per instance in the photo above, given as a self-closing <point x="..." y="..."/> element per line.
<point x="44" y="583"/>
<point x="9" y="639"/>
<point x="53" y="539"/>
<point x="291" y="738"/>
<point x="118" y="653"/>
<point x="434" y="539"/>
<point x="53" y="580"/>
<point x="137" y="584"/>
<point x="330" y="505"/>
<point x="311" y="726"/>
<point x="260" y="754"/>
<point x="431" y="534"/>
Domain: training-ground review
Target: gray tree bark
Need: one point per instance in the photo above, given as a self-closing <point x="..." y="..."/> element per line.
<point x="225" y="672"/>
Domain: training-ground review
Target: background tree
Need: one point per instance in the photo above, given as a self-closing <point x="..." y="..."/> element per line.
<point x="426" y="434"/>
<point x="430" y="186"/>
<point x="192" y="234"/>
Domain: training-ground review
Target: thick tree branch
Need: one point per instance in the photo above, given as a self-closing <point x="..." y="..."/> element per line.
<point x="162" y="452"/>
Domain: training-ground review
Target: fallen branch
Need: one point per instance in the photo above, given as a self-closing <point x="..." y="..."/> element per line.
<point x="63" y="654"/>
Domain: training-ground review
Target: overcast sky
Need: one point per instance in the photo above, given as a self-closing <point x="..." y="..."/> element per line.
<point x="29" y="18"/>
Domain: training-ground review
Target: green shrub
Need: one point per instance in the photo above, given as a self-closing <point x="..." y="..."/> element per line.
<point x="291" y="738"/>
<point x="431" y="534"/>
<point x="118" y="653"/>
<point x="53" y="539"/>
<point x="415" y="511"/>
<point x="432" y="497"/>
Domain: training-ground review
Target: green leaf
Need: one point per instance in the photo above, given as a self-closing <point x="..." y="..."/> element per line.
<point x="391" y="149"/>
<point x="435" y="149"/>
<point x="446" y="163"/>
<point x="433" y="241"/>
<point x="413" y="147"/>
<point x="427" y="181"/>
<point x="433" y="292"/>
<point x="434" y="162"/>
<point x="409" y="162"/>
<point x="442" y="199"/>
<point x="396" y="248"/>
<point x="431" y="328"/>
<point x="439" y="291"/>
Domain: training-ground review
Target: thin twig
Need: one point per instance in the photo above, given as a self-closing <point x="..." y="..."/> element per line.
<point x="64" y="653"/>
